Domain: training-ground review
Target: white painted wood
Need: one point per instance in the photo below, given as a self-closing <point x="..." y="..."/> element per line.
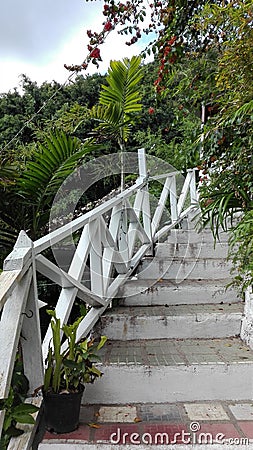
<point x="184" y="192"/>
<point x="146" y="215"/>
<point x="96" y="271"/>
<point x="173" y="200"/>
<point x="25" y="441"/>
<point x="68" y="295"/>
<point x="31" y="342"/>
<point x="110" y="246"/>
<point x="63" y="279"/>
<point x="164" y="230"/>
<point x="66" y="230"/>
<point x="9" y="335"/>
<point x="193" y="188"/>
<point x="135" y="219"/>
<point x="161" y="205"/>
<point x="142" y="163"/>
<point x="164" y="175"/>
<point x="2" y="414"/>
<point x="8" y="281"/>
<point x="21" y="253"/>
<point x="122" y="234"/>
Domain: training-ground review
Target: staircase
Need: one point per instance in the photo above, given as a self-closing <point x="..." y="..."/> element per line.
<point x="174" y="333"/>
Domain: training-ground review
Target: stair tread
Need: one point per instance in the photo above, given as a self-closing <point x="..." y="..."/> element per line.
<point x="171" y="282"/>
<point x="176" y="310"/>
<point x="175" y="352"/>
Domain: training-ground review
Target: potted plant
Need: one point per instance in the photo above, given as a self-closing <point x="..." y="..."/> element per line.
<point x="67" y="371"/>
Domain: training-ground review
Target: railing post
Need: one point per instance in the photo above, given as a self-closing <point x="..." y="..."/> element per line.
<point x="31" y="334"/>
<point x="146" y="215"/>
<point x="173" y="200"/>
<point x="193" y="187"/>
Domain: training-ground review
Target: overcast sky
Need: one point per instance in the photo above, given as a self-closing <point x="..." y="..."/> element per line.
<point x="37" y="37"/>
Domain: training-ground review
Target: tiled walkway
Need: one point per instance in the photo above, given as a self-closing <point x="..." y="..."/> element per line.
<point x="225" y="423"/>
<point x="170" y="352"/>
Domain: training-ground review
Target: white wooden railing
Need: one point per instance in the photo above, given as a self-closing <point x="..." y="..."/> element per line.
<point x="108" y="251"/>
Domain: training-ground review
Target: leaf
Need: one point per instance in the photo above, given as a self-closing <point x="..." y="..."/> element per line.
<point x="137" y="420"/>
<point x="102" y="342"/>
<point x="24" y="418"/>
<point x="25" y="408"/>
<point x="94" y="425"/>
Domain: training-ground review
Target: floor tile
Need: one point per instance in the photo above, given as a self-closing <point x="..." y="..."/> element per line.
<point x="242" y="411"/>
<point x="159" y="413"/>
<point x="205" y="411"/>
<point x="117" y="433"/>
<point x="247" y="428"/>
<point x="117" y="414"/>
<point x="167" y="433"/>
<point x="220" y="433"/>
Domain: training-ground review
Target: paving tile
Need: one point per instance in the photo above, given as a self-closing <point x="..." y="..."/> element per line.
<point x="220" y="433"/>
<point x="87" y="414"/>
<point x="164" y="433"/>
<point x="247" y="428"/>
<point x="242" y="411"/>
<point x="119" y="414"/>
<point x="160" y="413"/>
<point x="205" y="411"/>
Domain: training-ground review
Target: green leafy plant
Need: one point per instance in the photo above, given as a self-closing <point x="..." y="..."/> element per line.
<point x="67" y="370"/>
<point x="16" y="410"/>
<point x="241" y="251"/>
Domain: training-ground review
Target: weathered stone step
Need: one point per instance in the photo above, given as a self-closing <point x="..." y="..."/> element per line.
<point x="182" y="321"/>
<point x="183" y="268"/>
<point x="204" y="236"/>
<point x="170" y="370"/>
<point x="168" y="292"/>
<point x="192" y="250"/>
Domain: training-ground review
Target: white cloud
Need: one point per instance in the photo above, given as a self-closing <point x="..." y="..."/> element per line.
<point x="66" y="44"/>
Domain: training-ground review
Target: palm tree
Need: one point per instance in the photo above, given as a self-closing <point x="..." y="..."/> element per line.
<point x="118" y="103"/>
<point x="26" y="203"/>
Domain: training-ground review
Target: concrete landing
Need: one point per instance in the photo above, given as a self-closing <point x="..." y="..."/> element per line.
<point x="173" y="321"/>
<point x="208" y="425"/>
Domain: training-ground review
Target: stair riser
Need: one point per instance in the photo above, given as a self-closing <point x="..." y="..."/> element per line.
<point x="137" y="295"/>
<point x="206" y="269"/>
<point x="185" y="236"/>
<point x="180" y="327"/>
<point x="192" y="250"/>
<point x="160" y="384"/>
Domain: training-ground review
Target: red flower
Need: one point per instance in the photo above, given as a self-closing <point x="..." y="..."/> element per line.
<point x="95" y="53"/>
<point x="151" y="110"/>
<point x="108" y="26"/>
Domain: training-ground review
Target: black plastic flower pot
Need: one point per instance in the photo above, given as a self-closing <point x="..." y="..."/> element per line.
<point x="62" y="411"/>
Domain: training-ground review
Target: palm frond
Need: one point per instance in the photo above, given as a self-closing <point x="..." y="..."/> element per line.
<point x="119" y="99"/>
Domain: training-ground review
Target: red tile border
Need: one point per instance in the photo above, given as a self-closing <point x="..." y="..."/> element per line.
<point x="247" y="428"/>
<point x="117" y="433"/>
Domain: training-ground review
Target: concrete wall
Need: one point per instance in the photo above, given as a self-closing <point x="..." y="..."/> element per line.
<point x="247" y="322"/>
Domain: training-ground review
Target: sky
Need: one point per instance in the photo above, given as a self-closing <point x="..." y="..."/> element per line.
<point x="37" y="37"/>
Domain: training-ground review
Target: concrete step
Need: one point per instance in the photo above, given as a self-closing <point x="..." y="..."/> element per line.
<point x="173" y="370"/>
<point x="181" y="321"/>
<point x="192" y="250"/>
<point x="180" y="268"/>
<point x="183" y="236"/>
<point x="168" y="292"/>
